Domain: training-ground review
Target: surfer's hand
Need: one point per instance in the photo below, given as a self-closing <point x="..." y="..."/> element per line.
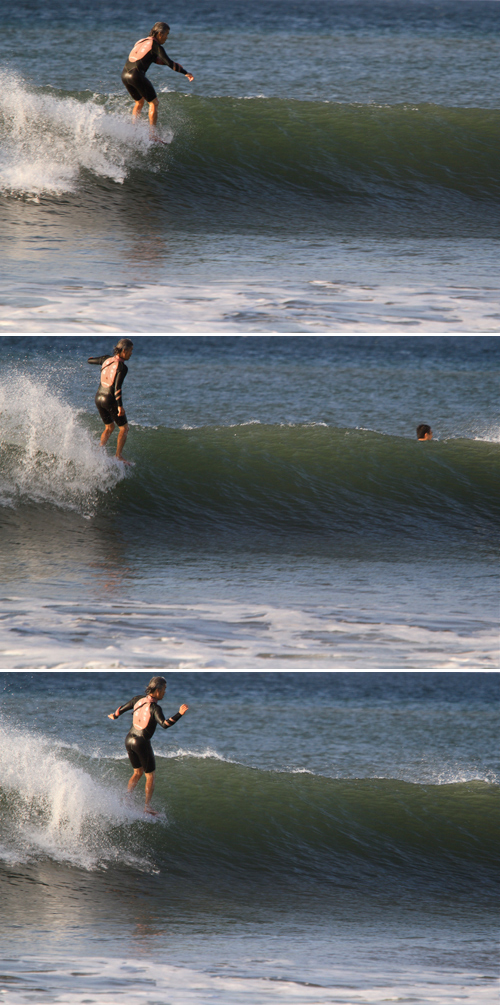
<point x="189" y="76"/>
<point x="121" y="410"/>
<point x="112" y="716"/>
<point x="183" y="709"/>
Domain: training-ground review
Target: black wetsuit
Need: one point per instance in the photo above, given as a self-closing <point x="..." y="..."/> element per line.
<point x="134" y="72"/>
<point x="138" y="741"/>
<point x="109" y="399"/>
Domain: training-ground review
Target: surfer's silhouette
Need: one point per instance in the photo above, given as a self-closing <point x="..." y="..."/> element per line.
<point x="109" y="393"/>
<point x="147" y="716"/>
<point x="146" y="51"/>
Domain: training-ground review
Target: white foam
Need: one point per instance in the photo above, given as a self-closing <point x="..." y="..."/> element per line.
<point x="237" y="306"/>
<point x="491" y="435"/>
<point x="139" y="978"/>
<point x="180" y="636"/>
<point x="203" y="755"/>
<point x="46" y="140"/>
<point x="56" y="808"/>
<point x="46" y="453"/>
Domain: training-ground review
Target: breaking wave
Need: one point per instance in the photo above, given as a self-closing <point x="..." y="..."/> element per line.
<point x="233" y="823"/>
<point x="268" y="150"/>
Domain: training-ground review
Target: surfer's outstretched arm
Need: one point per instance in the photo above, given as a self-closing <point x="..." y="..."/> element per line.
<point x="124" y="708"/>
<point x="164" y="60"/>
<point x="174" y="718"/>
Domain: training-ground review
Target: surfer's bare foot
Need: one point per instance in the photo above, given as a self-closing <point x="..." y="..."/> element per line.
<point x="151" y="811"/>
<point x="129" y="464"/>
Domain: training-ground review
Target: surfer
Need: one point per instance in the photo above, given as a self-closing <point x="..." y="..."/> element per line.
<point x="147" y="716"/>
<point x="109" y="393"/>
<point x="424" y="432"/>
<point x="146" y="51"/>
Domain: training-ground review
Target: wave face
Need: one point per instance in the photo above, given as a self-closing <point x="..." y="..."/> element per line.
<point x="337" y="151"/>
<point x="313" y="477"/>
<point x="224" y="823"/>
<point x="338" y="830"/>
<point x="250" y="152"/>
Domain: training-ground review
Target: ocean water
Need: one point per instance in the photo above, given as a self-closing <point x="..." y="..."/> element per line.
<point x="321" y="838"/>
<point x="280" y="512"/>
<point x="333" y="166"/>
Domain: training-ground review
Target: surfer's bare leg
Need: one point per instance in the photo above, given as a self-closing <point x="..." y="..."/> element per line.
<point x="122" y="438"/>
<point x="137" y="109"/>
<point x="153" y="116"/>
<point x="138" y="773"/>
<point x="107" y="433"/>
<point x="150" y="787"/>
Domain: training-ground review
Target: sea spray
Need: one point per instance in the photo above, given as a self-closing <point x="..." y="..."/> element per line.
<point x="52" y="807"/>
<point x="47" y="455"/>
<point x="48" y="139"/>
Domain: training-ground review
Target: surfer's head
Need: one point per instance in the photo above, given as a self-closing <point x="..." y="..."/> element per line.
<point x="156" y="684"/>
<point x="124" y="348"/>
<point x="161" y="28"/>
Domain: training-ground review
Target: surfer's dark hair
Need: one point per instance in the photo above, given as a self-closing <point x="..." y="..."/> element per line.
<point x="159" y="28"/>
<point x="154" y="683"/>
<point x="124" y="343"/>
<point x="422" y="430"/>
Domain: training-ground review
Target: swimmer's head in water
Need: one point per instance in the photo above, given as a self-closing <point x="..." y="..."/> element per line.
<point x="124" y="345"/>
<point x="156" y="684"/>
<point x="160" y="28"/>
<point x="424" y="432"/>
